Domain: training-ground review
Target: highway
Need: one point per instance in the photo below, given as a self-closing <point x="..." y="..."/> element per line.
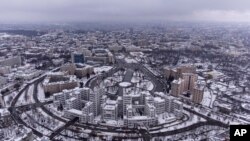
<point x="60" y="129"/>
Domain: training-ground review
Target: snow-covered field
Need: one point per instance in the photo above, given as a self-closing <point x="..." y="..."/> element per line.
<point x="206" y="98"/>
<point x="26" y="96"/>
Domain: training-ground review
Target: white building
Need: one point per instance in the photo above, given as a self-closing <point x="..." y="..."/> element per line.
<point x="110" y="110"/>
<point x="95" y="97"/>
<point x="159" y="104"/>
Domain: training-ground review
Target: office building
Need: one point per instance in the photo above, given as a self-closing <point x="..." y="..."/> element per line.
<point x="77" y="57"/>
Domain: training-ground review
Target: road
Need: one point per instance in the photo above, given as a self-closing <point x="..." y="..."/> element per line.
<point x="60" y="129"/>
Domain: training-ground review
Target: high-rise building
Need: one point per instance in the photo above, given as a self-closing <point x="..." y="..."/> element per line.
<point x="169" y="104"/>
<point x="177" y="87"/>
<point x="95" y="97"/>
<point x="110" y="110"/>
<point x="197" y="94"/>
<point x="186" y="83"/>
<point x="189" y="81"/>
<point x="77" y="57"/>
<point x="127" y="100"/>
<point x="159" y="104"/>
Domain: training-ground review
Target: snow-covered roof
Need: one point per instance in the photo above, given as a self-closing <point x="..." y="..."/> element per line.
<point x="158" y="99"/>
<point x="4" y="112"/>
<point x="75" y="111"/>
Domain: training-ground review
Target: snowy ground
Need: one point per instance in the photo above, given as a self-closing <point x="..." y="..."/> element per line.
<point x="166" y="118"/>
<point x="26" y="96"/>
<point x="41" y="94"/>
<point x="8" y="98"/>
<point x="145" y="84"/>
<point x="206" y="98"/>
<point x="98" y="70"/>
<point x="130" y="60"/>
<point x="243" y="98"/>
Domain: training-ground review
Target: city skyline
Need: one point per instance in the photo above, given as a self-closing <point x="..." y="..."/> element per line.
<point x="61" y="11"/>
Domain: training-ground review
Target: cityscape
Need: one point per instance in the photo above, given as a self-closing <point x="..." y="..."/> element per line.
<point x="123" y="81"/>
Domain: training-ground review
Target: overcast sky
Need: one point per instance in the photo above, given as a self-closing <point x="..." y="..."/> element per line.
<point x="19" y="11"/>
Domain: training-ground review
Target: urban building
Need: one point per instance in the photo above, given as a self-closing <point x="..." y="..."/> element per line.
<point x="56" y="83"/>
<point x="110" y="110"/>
<point x="186" y="84"/>
<point x="96" y="97"/>
<point x="74" y="104"/>
<point x="11" y="61"/>
<point x="80" y="70"/>
<point x="159" y="104"/>
<point x="77" y="57"/>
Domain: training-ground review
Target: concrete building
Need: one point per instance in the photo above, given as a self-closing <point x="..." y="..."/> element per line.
<point x="110" y="110"/>
<point x="95" y="97"/>
<point x="178" y="108"/>
<point x="54" y="84"/>
<point x="147" y="120"/>
<point x="186" y="84"/>
<point x="75" y="105"/>
<point x="127" y="100"/>
<point x="177" y="87"/>
<point x="169" y="104"/>
<point x="197" y="94"/>
<point x="78" y="93"/>
<point x="159" y="104"/>
<point x="189" y="81"/>
<point x="177" y="72"/>
<point x="77" y="57"/>
<point x="80" y="70"/>
<point x="185" y="69"/>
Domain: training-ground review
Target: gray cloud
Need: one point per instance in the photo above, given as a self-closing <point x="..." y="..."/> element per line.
<point x="123" y="10"/>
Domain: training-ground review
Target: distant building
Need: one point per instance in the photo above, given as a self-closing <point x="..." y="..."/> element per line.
<point x="176" y="72"/>
<point x="57" y="83"/>
<point x="11" y="61"/>
<point x="77" y="57"/>
<point x="80" y="70"/>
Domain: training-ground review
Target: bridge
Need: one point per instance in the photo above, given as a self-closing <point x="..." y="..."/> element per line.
<point x="28" y="107"/>
<point x="60" y="129"/>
